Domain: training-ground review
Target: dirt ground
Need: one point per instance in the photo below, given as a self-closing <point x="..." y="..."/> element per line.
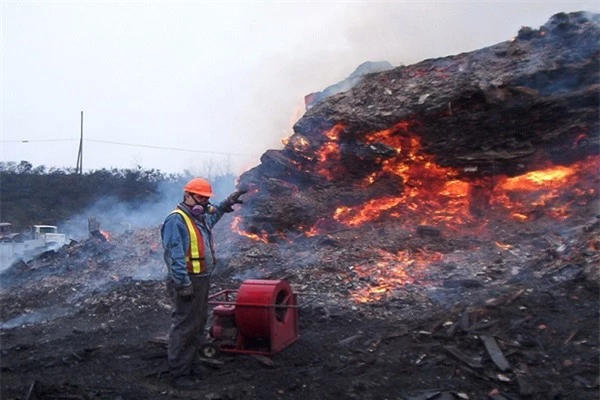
<point x="387" y="309"/>
<point x="531" y="335"/>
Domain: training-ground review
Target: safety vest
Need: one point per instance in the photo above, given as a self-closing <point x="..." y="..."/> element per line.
<point x="195" y="255"/>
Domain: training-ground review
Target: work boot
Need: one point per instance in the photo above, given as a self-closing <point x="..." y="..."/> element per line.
<point x="186" y="382"/>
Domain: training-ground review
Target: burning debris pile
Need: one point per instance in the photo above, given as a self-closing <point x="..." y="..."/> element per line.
<point x="480" y="145"/>
<point x="439" y="222"/>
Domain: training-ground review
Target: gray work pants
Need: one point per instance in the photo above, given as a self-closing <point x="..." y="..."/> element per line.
<point x="188" y="318"/>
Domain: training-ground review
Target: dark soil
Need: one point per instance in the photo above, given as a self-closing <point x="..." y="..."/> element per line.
<point x="508" y="311"/>
<point x="63" y="339"/>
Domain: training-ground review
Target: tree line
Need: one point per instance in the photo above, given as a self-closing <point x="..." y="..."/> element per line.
<point x="37" y="195"/>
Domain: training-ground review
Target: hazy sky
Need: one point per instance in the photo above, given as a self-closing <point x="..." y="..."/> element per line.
<point x="223" y="81"/>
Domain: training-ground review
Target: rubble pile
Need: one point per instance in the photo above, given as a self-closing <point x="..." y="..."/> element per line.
<point x="439" y="223"/>
<point x="475" y="118"/>
<point x="68" y="275"/>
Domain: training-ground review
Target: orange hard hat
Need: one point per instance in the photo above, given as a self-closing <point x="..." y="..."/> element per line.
<point x="199" y="186"/>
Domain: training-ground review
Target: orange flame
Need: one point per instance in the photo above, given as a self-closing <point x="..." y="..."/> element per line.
<point x="106" y="235"/>
<point x="296" y="115"/>
<point x="391" y="272"/>
<point x="554" y="176"/>
<point x="300" y="144"/>
<point x="329" y="154"/>
<point x="432" y="195"/>
<point x="552" y="190"/>
<point x="262" y="236"/>
<point x="313" y="231"/>
<point x="354" y="216"/>
<point x="440" y="196"/>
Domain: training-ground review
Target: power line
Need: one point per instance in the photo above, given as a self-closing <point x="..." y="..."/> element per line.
<point x="168" y="148"/>
<point x="37" y="140"/>
<point x="131" y="145"/>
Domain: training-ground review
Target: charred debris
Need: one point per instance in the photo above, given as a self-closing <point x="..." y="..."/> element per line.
<point x="524" y="105"/>
<point x="439" y="220"/>
<point x="461" y="171"/>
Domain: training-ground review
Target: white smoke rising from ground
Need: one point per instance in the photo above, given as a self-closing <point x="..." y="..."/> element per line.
<point x="105" y="264"/>
<point x="117" y="216"/>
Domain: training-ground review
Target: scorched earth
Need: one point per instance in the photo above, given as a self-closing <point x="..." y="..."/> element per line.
<point x="438" y="222"/>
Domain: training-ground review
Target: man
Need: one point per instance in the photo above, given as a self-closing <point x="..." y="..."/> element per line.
<point x="189" y="254"/>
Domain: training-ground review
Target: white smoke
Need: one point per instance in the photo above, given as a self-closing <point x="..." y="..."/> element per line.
<point x="117" y="216"/>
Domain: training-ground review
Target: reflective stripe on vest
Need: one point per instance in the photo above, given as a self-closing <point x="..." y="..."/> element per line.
<point x="195" y="255"/>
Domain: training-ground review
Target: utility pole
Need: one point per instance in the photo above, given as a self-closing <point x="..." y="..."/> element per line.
<point x="79" y="167"/>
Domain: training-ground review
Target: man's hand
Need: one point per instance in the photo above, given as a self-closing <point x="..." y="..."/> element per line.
<point x="233" y="198"/>
<point x="186" y="293"/>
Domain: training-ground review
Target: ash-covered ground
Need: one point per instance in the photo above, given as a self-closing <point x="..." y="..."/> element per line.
<point x="438" y="222"/>
<point x="511" y="322"/>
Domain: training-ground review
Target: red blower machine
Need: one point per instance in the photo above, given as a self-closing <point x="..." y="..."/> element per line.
<point x="261" y="317"/>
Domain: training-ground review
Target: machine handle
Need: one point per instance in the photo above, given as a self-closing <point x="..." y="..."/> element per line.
<point x="231" y="303"/>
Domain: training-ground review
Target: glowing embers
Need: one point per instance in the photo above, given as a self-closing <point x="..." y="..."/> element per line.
<point x="371" y="210"/>
<point x="432" y="195"/>
<point x="259" y="236"/>
<point x="445" y="198"/>
<point x="453" y="200"/>
<point x="107" y="236"/>
<point x="549" y="191"/>
<point x="298" y="143"/>
<point x="390" y="272"/>
<point x="328" y="156"/>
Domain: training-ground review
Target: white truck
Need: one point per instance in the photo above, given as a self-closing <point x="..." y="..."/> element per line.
<point x="50" y="235"/>
<point x="34" y="240"/>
